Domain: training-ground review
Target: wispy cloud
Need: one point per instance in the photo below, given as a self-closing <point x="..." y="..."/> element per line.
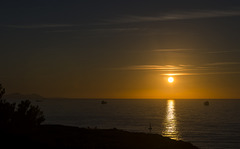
<point x="95" y="30"/>
<point x="187" y="69"/>
<point x="173" y="70"/>
<point x="180" y="74"/>
<point x="41" y="26"/>
<point x="63" y="31"/>
<point x="157" y="67"/>
<point x="117" y="29"/>
<point x="219" y="52"/>
<point x="201" y="73"/>
<point x="171" y="50"/>
<point x="194" y="14"/>
<point x="223" y="63"/>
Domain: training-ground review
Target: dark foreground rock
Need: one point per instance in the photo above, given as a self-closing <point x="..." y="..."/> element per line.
<point x="66" y="137"/>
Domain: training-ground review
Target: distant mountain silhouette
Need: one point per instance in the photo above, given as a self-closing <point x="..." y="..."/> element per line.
<point x="22" y="96"/>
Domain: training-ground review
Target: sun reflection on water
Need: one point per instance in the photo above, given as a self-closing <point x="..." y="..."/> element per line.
<point x="170" y="122"/>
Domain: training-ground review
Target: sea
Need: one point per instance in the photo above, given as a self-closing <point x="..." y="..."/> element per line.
<point x="213" y="126"/>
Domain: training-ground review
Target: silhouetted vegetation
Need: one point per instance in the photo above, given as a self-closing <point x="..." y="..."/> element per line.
<point x="24" y="115"/>
<point x="27" y="115"/>
<point x="2" y="91"/>
<point x="6" y="113"/>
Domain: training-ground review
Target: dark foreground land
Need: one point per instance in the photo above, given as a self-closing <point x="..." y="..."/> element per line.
<point x="66" y="137"/>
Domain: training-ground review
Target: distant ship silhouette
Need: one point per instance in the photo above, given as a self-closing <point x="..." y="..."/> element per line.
<point x="103" y="102"/>
<point x="206" y="103"/>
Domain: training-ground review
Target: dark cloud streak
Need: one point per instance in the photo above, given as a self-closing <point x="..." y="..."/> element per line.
<point x="41" y="26"/>
<point x="187" y="15"/>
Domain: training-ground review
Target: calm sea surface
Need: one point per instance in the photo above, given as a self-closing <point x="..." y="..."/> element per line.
<point x="216" y="126"/>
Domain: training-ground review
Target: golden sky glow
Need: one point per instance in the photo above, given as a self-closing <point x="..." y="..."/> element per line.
<point x="81" y="49"/>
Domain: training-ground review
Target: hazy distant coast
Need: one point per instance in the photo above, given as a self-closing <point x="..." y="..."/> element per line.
<point x="23" y="96"/>
<point x="58" y="136"/>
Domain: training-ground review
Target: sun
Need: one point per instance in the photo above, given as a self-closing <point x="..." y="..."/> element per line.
<point x="170" y="79"/>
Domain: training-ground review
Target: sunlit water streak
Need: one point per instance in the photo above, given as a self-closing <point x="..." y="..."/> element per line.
<point x="170" y="122"/>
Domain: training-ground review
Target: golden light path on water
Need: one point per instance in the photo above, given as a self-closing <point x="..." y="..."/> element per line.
<point x="170" y="122"/>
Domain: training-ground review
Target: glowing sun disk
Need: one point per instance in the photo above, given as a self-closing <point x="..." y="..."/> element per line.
<point x="170" y="79"/>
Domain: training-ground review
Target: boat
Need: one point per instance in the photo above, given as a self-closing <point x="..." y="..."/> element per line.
<point x="103" y="102"/>
<point x="206" y="103"/>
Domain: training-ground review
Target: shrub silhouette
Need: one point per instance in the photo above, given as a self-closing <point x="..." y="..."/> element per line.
<point x="6" y="113"/>
<point x="28" y="115"/>
<point x="2" y="91"/>
<point x="24" y="116"/>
